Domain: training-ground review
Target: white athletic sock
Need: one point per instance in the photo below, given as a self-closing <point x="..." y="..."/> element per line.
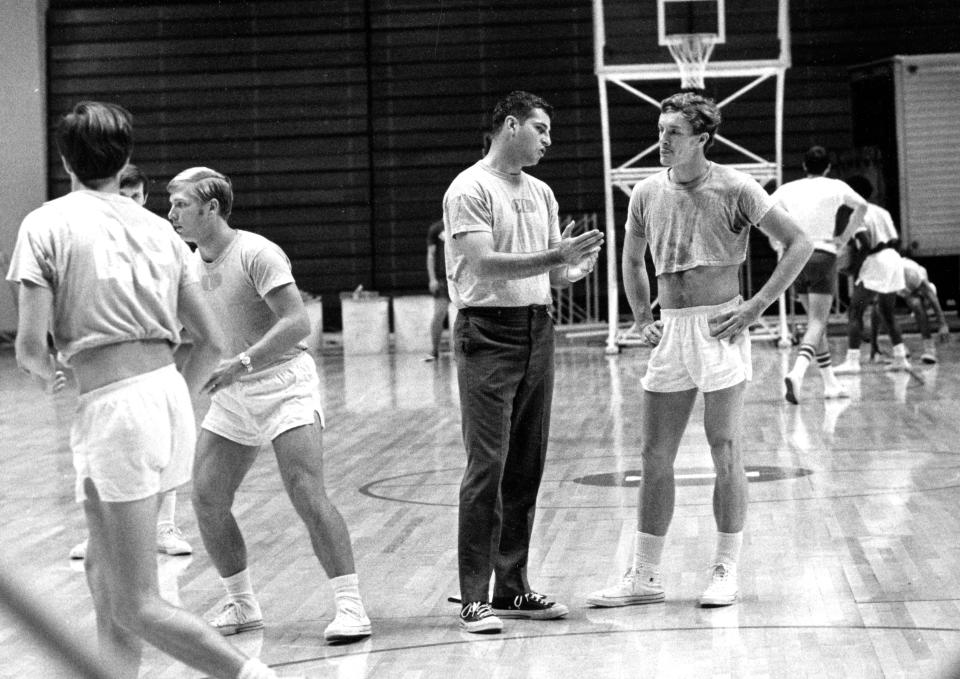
<point x="253" y="668"/>
<point x="900" y="350"/>
<point x="648" y="551"/>
<point x="240" y="588"/>
<point x="853" y="355"/>
<point x="168" y="507"/>
<point x="830" y="380"/>
<point x="728" y="548"/>
<point x="346" y="588"/>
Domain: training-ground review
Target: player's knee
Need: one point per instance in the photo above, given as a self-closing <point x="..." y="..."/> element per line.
<point x="725" y="453"/>
<point x="209" y="500"/>
<point x="655" y="465"/>
<point x="135" y="613"/>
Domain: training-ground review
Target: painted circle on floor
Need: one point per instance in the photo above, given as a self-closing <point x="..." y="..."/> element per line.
<point x="694" y="476"/>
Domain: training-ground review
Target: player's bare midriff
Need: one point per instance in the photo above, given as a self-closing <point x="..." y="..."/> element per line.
<point x="100" y="366"/>
<point x="700" y="286"/>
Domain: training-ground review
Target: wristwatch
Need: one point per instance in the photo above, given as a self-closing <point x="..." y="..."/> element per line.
<point x="245" y="361"/>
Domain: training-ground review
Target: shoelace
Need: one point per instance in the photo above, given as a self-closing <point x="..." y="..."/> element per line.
<point x="231" y="606"/>
<point x="350" y="609"/>
<point x="721" y="572"/>
<point x="529" y="596"/>
<point x="477" y="609"/>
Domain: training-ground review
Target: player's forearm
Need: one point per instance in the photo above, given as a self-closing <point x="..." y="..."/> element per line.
<point x="284" y="335"/>
<point x="855" y="222"/>
<point x="34" y="357"/>
<point x="795" y="256"/>
<point x="935" y="303"/>
<point x="511" y="265"/>
<point x="636" y="284"/>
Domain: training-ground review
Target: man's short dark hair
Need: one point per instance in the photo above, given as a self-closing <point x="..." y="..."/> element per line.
<point x="96" y="140"/>
<point x="701" y="112"/>
<point x="816" y="160"/>
<point x="132" y="176"/>
<point x="520" y="105"/>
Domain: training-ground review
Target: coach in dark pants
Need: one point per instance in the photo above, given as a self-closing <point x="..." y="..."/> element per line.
<point x="504" y="250"/>
<point x="505" y="356"/>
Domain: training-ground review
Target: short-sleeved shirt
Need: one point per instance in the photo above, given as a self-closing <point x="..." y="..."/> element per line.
<point x="114" y="268"/>
<point x="702" y="223"/>
<point x="235" y="284"/>
<point x="914" y="275"/>
<point x="813" y="202"/>
<point x="521" y="214"/>
<point x="436" y="238"/>
<point x="878" y="226"/>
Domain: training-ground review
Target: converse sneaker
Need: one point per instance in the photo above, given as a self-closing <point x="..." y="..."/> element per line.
<point x="236" y="617"/>
<point x="636" y="587"/>
<point x="722" y="590"/>
<point x="170" y="541"/>
<point x="529" y="606"/>
<point x="79" y="551"/>
<point x="350" y="624"/>
<point x="477" y="618"/>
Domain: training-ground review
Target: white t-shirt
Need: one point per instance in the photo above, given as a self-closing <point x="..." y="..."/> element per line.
<point x="813" y="202"/>
<point x="235" y="284"/>
<point x="520" y="212"/>
<point x="115" y="269"/>
<point x="704" y="223"/>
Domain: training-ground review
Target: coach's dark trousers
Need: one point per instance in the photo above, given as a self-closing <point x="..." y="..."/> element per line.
<point x="505" y="370"/>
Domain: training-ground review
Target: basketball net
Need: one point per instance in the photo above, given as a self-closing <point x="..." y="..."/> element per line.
<point x="692" y="52"/>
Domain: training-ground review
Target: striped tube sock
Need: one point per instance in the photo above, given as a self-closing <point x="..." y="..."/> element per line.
<point x="804" y="358"/>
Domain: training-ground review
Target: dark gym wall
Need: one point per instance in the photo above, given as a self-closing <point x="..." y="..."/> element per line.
<point x="342" y="122"/>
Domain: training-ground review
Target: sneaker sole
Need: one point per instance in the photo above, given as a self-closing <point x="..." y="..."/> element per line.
<point x="174" y="552"/>
<point x="345" y="637"/>
<point x="791" y="395"/>
<point x="638" y="600"/>
<point x="552" y="613"/>
<point x="230" y="630"/>
<point x="486" y="627"/>
<point x="718" y="603"/>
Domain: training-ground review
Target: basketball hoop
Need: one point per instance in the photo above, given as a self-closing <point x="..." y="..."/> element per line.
<point x="691" y="51"/>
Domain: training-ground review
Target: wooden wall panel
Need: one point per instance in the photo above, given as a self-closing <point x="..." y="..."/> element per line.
<point x="342" y="123"/>
<point x="274" y="94"/>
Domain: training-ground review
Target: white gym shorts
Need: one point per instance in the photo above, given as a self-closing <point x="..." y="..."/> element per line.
<point x="254" y="410"/>
<point x="134" y="438"/>
<point x="688" y="358"/>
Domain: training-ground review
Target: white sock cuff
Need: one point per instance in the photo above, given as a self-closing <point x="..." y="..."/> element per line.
<point x="900" y="350"/>
<point x="728" y="548"/>
<point x="649" y="549"/>
<point x="349" y="583"/>
<point x="239" y="584"/>
<point x="254" y="668"/>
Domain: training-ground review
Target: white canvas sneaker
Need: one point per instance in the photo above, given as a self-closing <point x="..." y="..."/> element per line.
<point x="722" y="590"/>
<point x="635" y="588"/>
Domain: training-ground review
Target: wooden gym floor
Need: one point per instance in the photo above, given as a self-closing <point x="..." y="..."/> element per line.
<point x="851" y="563"/>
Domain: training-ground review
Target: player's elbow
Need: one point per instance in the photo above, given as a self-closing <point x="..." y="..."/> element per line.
<point x="300" y="324"/>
